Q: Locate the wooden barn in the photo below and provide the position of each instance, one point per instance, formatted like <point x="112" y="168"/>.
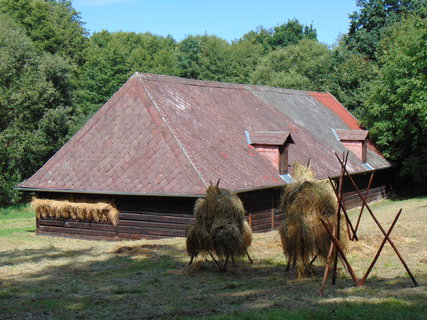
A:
<point x="157" y="144"/>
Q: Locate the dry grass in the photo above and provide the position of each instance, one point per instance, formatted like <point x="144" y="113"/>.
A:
<point x="55" y="278"/>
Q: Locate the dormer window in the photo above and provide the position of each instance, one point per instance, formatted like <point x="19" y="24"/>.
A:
<point x="274" y="146"/>
<point x="356" y="141"/>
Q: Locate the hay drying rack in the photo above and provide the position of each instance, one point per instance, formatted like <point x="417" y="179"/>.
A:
<point x="335" y="249"/>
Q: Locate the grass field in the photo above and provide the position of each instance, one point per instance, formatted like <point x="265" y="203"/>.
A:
<point x="56" y="278"/>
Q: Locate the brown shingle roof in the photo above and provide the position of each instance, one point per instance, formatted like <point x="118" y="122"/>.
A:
<point x="167" y="135"/>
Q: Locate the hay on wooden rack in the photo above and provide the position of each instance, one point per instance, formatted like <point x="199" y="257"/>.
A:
<point x="305" y="203"/>
<point x="220" y="226"/>
<point x="101" y="212"/>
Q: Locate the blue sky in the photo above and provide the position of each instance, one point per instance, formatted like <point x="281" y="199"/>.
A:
<point x="226" y="19"/>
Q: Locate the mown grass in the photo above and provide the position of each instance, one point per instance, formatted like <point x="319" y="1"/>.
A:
<point x="387" y="309"/>
<point x="56" y="278"/>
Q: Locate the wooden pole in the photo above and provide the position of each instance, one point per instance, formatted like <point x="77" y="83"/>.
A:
<point x="363" y="206"/>
<point x="338" y="219"/>
<point x="340" y="203"/>
<point x="331" y="246"/>
<point x="273" y="222"/>
<point x="341" y="252"/>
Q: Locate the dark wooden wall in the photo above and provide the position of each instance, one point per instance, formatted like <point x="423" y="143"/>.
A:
<point x="261" y="208"/>
<point x="157" y="217"/>
<point x="154" y="217"/>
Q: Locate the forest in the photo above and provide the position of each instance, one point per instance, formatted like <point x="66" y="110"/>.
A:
<point x="54" y="75"/>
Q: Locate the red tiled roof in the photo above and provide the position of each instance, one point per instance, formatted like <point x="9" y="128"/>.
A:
<point x="167" y="135"/>
<point x="329" y="101"/>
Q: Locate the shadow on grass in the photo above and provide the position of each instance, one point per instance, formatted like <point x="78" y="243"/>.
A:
<point x="14" y="257"/>
<point x="155" y="282"/>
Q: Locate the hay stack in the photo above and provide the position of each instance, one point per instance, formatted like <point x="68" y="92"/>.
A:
<point x="220" y="225"/>
<point x="102" y="212"/>
<point x="305" y="203"/>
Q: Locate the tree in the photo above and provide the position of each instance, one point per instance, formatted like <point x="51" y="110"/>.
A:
<point x="215" y="62"/>
<point x="366" y="25"/>
<point x="53" y="26"/>
<point x="245" y="56"/>
<point x="111" y="58"/>
<point x="34" y="117"/>
<point x="306" y="66"/>
<point x="352" y="73"/>
<point x="189" y="54"/>
<point x="395" y="110"/>
<point x="289" y="33"/>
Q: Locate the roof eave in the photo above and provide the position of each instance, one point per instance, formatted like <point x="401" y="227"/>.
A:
<point x="115" y="193"/>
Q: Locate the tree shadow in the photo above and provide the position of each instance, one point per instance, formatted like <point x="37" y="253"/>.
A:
<point x="13" y="257"/>
<point x="155" y="282"/>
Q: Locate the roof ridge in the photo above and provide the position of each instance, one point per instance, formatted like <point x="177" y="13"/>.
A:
<point x="224" y="85"/>
<point x="181" y="146"/>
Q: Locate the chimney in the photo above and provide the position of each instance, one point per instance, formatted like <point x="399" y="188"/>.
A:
<point x="355" y="141"/>
<point x="273" y="145"/>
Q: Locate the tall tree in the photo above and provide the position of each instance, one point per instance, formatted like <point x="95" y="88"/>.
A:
<point x="366" y="25"/>
<point x="211" y="58"/>
<point x="53" y="26"/>
<point x="395" y="109"/>
<point x="351" y="75"/>
<point x="189" y="55"/>
<point x="306" y="65"/>
<point x="280" y="36"/>
<point x="111" y="58"/>
<point x="34" y="117"/>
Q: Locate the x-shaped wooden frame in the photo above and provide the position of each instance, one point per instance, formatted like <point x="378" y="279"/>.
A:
<point x="334" y="233"/>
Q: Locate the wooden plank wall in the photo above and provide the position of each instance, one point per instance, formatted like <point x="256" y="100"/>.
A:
<point x="154" y="217"/>
<point x="75" y="229"/>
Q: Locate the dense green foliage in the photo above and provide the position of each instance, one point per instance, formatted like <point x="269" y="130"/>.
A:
<point x="53" y="75"/>
<point x="111" y="58"/>
<point x="367" y="24"/>
<point x="305" y="65"/>
<point x="53" y="26"/>
<point x="34" y="106"/>
<point x="396" y="107"/>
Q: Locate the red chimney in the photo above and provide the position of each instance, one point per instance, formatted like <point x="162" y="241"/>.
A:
<point x="356" y="141"/>
<point x="273" y="145"/>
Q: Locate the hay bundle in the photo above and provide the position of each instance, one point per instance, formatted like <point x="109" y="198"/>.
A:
<point x="305" y="203"/>
<point x="102" y="212"/>
<point x="220" y="225"/>
<point x="297" y="243"/>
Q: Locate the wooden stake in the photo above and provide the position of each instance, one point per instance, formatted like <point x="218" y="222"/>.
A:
<point x="363" y="206"/>
<point x="348" y="221"/>
<point x="331" y="246"/>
